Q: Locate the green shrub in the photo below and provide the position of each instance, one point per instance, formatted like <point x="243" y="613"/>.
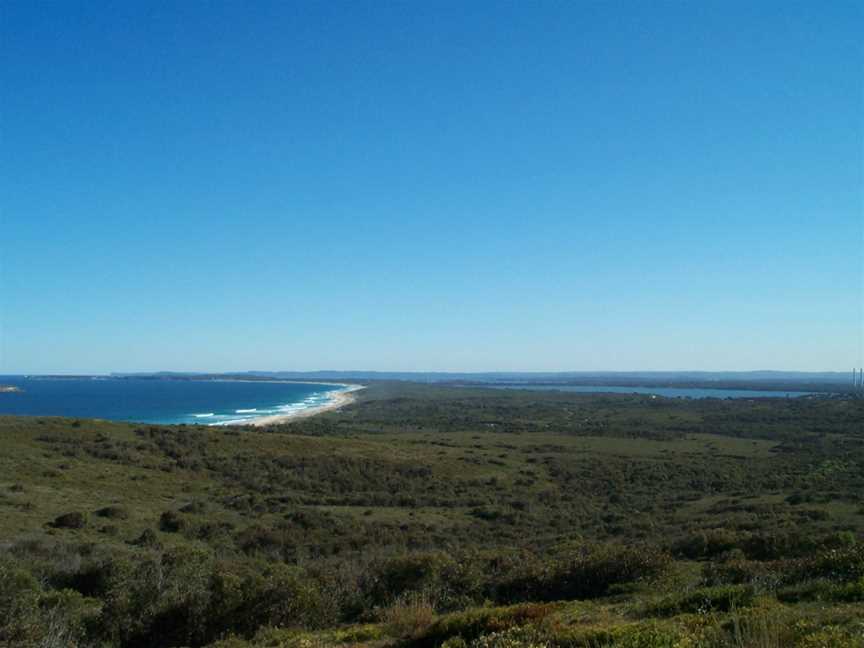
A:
<point x="171" y="522"/>
<point x="113" y="512"/>
<point x="282" y="596"/>
<point x="31" y="616"/>
<point x="409" y="616"/>
<point x="66" y="617"/>
<point x="148" y="538"/>
<point x="437" y="575"/>
<point x="844" y="564"/>
<point x="832" y="636"/>
<point x="706" y="544"/>
<point x="478" y="622"/>
<point x="195" y="506"/>
<point x="848" y="592"/>
<point x="647" y="634"/>
<point x="740" y="572"/>
<point x="230" y="642"/>
<point x="271" y="637"/>
<point x="73" y="520"/>
<point x="702" y="601"/>
<point x="584" y="573"/>
<point x="757" y="628"/>
<point x="19" y="603"/>
<point x="186" y="597"/>
<point x="518" y="637"/>
<point x="822" y="590"/>
<point x="841" y="565"/>
<point x="358" y="634"/>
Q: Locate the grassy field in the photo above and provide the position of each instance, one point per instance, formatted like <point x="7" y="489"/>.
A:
<point x="425" y="515"/>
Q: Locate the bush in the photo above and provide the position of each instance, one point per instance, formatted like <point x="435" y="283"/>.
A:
<point x="73" y="520"/>
<point x="19" y="604"/>
<point x="584" y="573"/>
<point x="740" y="572"/>
<point x="389" y="580"/>
<point x="849" y="592"/>
<point x="284" y="597"/>
<point x="840" y="565"/>
<point x="704" y="600"/>
<point x="31" y="616"/>
<point x="519" y="637"/>
<point x="148" y="538"/>
<point x="647" y="634"/>
<point x="409" y="616"/>
<point x="706" y="544"/>
<point x="171" y="522"/>
<point x="195" y="506"/>
<point x="358" y="634"/>
<point x="478" y="622"/>
<point x="823" y="590"/>
<point x="159" y="599"/>
<point x="113" y="512"/>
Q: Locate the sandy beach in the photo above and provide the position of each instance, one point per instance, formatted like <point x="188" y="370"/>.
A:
<point x="338" y="400"/>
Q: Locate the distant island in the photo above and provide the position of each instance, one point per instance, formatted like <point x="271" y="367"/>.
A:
<point x="9" y="388"/>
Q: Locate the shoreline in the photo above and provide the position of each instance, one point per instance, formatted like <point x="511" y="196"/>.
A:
<point x="338" y="400"/>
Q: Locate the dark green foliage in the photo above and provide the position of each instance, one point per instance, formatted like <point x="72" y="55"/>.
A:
<point x="585" y="572"/>
<point x="187" y="597"/>
<point x="822" y="590"/>
<point x="849" y="592"/>
<point x="709" y="599"/>
<point x="706" y="544"/>
<point x="739" y="571"/>
<point x="171" y="522"/>
<point x="420" y="572"/>
<point x="31" y="615"/>
<point x="196" y="506"/>
<point x="113" y="512"/>
<point x="19" y="601"/>
<point x="475" y="623"/>
<point x="445" y="499"/>
<point x="843" y="565"/>
<point x="284" y="597"/>
<point x="148" y="539"/>
<point x="74" y="520"/>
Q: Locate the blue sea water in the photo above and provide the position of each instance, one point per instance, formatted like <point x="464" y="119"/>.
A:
<point x="206" y="402"/>
<point x="668" y="392"/>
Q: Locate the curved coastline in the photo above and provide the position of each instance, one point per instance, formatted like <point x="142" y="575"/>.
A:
<point x="337" y="400"/>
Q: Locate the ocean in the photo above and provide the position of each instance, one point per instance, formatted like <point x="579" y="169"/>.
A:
<point x="205" y="402"/>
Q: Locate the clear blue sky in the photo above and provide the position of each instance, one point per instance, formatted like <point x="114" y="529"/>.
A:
<point x="431" y="185"/>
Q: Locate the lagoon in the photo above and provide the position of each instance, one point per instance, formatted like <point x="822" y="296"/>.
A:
<point x="667" y="392"/>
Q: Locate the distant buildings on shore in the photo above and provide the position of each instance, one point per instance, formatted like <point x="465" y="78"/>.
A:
<point x="858" y="381"/>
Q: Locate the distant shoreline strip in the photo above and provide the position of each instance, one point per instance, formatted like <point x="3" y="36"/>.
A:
<point x="336" y="399"/>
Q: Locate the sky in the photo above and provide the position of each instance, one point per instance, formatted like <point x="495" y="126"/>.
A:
<point x="431" y="186"/>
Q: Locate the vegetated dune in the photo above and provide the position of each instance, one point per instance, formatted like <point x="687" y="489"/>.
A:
<point x="429" y="515"/>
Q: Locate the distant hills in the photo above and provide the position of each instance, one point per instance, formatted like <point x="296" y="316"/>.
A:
<point x="765" y="379"/>
<point x="821" y="381"/>
<point x="565" y="376"/>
